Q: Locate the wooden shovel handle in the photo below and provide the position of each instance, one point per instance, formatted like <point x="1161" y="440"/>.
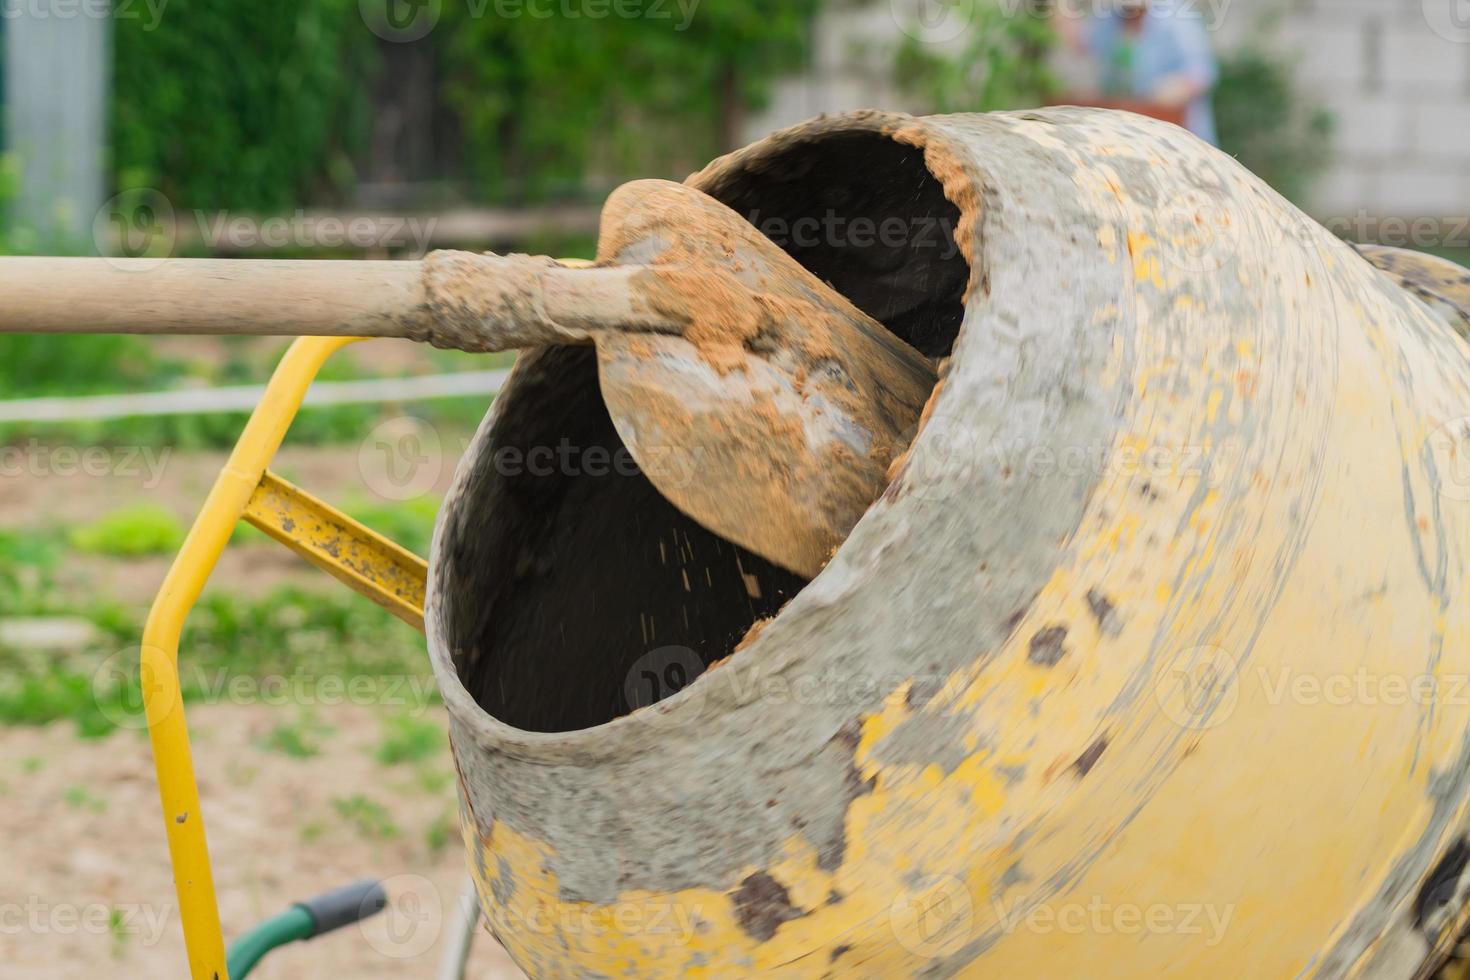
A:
<point x="326" y="298"/>
<point x="451" y="299"/>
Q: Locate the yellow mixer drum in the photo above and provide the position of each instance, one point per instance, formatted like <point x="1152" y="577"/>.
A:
<point x="1151" y="660"/>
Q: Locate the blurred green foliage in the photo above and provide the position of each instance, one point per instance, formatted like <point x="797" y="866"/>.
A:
<point x="409" y="739"/>
<point x="1268" y="123"/>
<point x="257" y="105"/>
<point x="545" y="100"/>
<point x="131" y="531"/>
<point x="1000" y="64"/>
<point x="47" y="364"/>
<point x="264" y="105"/>
<point x="318" y="425"/>
<point x="9" y="184"/>
<point x="303" y="646"/>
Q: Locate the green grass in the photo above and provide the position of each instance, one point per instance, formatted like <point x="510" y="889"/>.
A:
<point x="1459" y="256"/>
<point x="300" y="738"/>
<point x="35" y="365"/>
<point x="131" y="531"/>
<point x="366" y="816"/>
<point x="28" y="561"/>
<point x="291" y="647"/>
<point x="407" y="739"/>
<point x="81" y="798"/>
<point x="323" y="425"/>
<point x="439" y="834"/>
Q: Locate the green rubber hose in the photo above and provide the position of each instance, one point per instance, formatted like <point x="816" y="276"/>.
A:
<point x="292" y="925"/>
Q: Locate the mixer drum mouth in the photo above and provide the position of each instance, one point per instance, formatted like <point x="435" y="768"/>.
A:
<point x="575" y="593"/>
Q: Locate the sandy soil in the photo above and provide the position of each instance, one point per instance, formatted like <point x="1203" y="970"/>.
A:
<point x="84" y="843"/>
<point x="85" y="882"/>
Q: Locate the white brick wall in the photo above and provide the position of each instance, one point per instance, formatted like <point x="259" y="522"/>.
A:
<point x="1421" y="190"/>
<point x="1327" y="50"/>
<point x="1418" y="61"/>
<point x="1442" y="132"/>
<point x="1372" y="128"/>
<point x="1396" y="73"/>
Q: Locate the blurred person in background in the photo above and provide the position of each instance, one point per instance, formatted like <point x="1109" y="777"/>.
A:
<point x="1148" y="56"/>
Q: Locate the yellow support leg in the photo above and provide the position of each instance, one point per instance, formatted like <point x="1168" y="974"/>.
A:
<point x="163" y="700"/>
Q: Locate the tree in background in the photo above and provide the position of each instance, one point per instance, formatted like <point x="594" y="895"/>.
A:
<point x="547" y="100"/>
<point x="254" y="105"/>
<point x="998" y="62"/>
<point x="1266" y="122"/>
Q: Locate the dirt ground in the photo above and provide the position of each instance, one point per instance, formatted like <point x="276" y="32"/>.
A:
<point x="85" y="885"/>
<point x="85" y="882"/>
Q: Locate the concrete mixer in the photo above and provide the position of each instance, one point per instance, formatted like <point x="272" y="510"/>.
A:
<point x="1139" y="643"/>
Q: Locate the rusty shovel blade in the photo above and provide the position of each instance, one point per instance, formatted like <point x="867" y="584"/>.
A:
<point x="771" y="416"/>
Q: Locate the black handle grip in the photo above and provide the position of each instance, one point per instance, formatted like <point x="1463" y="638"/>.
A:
<point x="346" y="905"/>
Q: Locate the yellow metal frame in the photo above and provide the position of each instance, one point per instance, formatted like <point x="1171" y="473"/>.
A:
<point x="247" y="490"/>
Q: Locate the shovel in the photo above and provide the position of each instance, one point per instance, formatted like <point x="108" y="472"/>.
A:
<point x="715" y="349"/>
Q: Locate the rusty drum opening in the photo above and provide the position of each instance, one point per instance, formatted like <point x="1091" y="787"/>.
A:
<point x="567" y="590"/>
